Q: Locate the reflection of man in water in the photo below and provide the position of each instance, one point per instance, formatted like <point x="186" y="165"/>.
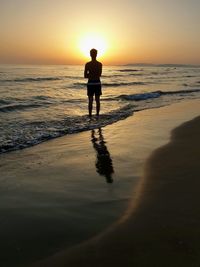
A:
<point x="93" y="70"/>
<point x="104" y="164"/>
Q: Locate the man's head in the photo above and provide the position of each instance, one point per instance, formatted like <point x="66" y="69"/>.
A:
<point x="93" y="53"/>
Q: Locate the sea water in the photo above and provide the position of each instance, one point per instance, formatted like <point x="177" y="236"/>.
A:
<point x="38" y="103"/>
<point x="47" y="207"/>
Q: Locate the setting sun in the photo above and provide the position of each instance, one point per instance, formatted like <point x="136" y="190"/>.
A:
<point x="89" y="41"/>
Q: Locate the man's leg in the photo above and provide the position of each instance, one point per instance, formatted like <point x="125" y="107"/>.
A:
<point x="97" y="99"/>
<point x="90" y="102"/>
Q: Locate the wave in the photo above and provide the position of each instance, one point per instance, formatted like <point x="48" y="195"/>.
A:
<point x="195" y="84"/>
<point x="136" y="74"/>
<point x="139" y="97"/>
<point x="129" y="70"/>
<point x="42" y="101"/>
<point x="122" y="75"/>
<point x="155" y="94"/>
<point x="41" y="79"/>
<point x="31" y="79"/>
<point x="189" y="76"/>
<point x="14" y="107"/>
<point x="122" y="84"/>
<point x="112" y="75"/>
<point x="4" y="102"/>
<point x="181" y="92"/>
<point x="111" y="84"/>
<point x="42" y="97"/>
<point x="34" y="133"/>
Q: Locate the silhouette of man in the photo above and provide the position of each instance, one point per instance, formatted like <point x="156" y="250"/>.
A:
<point x="93" y="70"/>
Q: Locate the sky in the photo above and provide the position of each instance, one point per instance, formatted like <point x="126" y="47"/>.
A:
<point x="53" y="31"/>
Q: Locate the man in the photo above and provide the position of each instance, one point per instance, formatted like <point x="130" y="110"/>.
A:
<point x="93" y="70"/>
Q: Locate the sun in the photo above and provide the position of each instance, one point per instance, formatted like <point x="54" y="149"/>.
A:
<point x="90" y="41"/>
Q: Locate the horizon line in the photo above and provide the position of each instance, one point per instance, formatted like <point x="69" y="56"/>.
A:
<point x="125" y="64"/>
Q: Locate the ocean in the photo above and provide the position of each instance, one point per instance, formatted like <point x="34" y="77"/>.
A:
<point x="38" y="103"/>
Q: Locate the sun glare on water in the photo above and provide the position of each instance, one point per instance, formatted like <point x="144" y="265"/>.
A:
<point x="90" y="41"/>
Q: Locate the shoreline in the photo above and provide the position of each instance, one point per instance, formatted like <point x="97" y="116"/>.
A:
<point x="156" y="230"/>
<point x="54" y="196"/>
<point x="163" y="230"/>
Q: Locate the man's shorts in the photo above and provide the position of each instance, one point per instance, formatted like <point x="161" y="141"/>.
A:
<point x="94" y="88"/>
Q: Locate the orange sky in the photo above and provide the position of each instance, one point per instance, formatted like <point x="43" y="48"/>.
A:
<point x="50" y="32"/>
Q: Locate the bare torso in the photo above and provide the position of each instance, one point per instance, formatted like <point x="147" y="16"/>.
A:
<point x="93" y="70"/>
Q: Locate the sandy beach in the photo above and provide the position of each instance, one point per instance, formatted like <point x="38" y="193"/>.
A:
<point x="60" y="207"/>
<point x="162" y="228"/>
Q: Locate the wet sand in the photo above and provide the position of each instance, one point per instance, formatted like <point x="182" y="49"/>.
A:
<point x="162" y="225"/>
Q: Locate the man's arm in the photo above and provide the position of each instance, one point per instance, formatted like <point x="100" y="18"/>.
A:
<point x="100" y="70"/>
<point x="86" y="71"/>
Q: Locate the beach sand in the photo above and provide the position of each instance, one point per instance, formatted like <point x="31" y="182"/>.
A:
<point x="54" y="199"/>
<point x="162" y="228"/>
